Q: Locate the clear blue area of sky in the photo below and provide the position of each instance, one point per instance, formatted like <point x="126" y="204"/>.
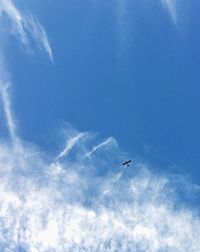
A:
<point x="129" y="74"/>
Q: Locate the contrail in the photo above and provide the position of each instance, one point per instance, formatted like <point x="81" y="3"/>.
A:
<point x="70" y="144"/>
<point x="95" y="148"/>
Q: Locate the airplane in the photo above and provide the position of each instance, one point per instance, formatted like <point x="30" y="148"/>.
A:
<point x="127" y="163"/>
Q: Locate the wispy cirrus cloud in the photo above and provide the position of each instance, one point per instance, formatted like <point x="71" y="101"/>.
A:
<point x="39" y="34"/>
<point x="16" y="18"/>
<point x="25" y="27"/>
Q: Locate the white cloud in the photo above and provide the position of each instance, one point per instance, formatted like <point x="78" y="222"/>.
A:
<point x="60" y="207"/>
<point x="41" y="213"/>
<point x="24" y="25"/>
<point x="16" y="18"/>
<point x="39" y="33"/>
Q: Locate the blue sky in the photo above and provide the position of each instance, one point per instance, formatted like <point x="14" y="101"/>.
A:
<point x="92" y="83"/>
<point x="125" y="70"/>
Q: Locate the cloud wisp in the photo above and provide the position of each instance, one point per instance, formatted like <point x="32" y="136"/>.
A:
<point x="25" y="27"/>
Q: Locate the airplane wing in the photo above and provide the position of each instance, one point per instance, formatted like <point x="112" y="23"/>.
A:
<point x="126" y="162"/>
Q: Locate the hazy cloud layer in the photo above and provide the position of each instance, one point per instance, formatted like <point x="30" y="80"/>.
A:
<point x="67" y="206"/>
<point x="90" y="204"/>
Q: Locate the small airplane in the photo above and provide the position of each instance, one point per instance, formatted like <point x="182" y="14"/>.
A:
<point x="127" y="163"/>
